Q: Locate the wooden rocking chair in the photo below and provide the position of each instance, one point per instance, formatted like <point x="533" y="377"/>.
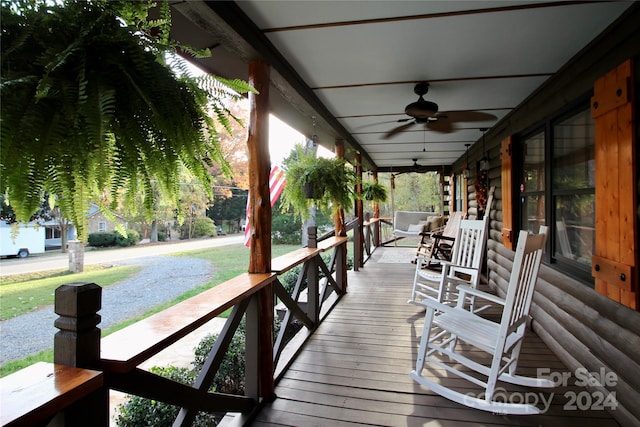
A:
<point x="438" y="244"/>
<point x="501" y="340"/>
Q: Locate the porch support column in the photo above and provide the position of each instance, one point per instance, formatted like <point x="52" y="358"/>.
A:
<point x="376" y="215"/>
<point x="259" y="168"/>
<point x="260" y="220"/>
<point x="338" y="218"/>
<point x="338" y="223"/>
<point x="359" y="210"/>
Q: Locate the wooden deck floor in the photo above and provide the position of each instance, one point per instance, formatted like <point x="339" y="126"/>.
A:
<point x="354" y="369"/>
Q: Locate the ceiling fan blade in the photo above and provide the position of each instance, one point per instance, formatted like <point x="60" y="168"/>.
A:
<point x="442" y="126"/>
<point x="397" y="130"/>
<point x="467" y="116"/>
<point x="368" y="125"/>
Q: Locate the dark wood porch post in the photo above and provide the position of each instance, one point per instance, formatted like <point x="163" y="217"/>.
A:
<point x="359" y="211"/>
<point x="260" y="221"/>
<point x="77" y="344"/>
<point x="376" y="214"/>
<point x="338" y="218"/>
<point x="338" y="222"/>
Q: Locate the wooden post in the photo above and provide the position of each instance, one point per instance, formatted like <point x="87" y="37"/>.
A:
<point x="312" y="232"/>
<point x="338" y="222"/>
<point x="338" y="218"/>
<point x="260" y="218"/>
<point x="259" y="169"/>
<point x="376" y="214"/>
<point x="77" y="344"/>
<point x="359" y="212"/>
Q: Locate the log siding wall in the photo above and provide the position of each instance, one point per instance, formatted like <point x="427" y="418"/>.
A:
<point x="585" y="329"/>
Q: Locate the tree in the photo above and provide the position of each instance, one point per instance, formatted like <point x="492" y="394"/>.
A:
<point x="98" y="109"/>
<point x="417" y="192"/>
<point x="231" y="208"/>
<point x="194" y="200"/>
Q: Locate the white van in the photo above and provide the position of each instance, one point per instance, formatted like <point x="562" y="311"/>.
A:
<point x="28" y="240"/>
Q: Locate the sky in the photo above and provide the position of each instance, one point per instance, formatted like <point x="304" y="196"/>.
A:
<point x="283" y="137"/>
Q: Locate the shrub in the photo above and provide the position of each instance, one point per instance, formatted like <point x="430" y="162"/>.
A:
<point x="133" y="237"/>
<point x="230" y="376"/>
<point x="200" y="227"/>
<point x="139" y="411"/>
<point x="101" y="240"/>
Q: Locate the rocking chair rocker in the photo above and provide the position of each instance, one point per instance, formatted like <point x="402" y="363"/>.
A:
<point x="501" y="340"/>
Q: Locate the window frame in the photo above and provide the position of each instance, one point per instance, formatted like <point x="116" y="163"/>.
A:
<point x="580" y="272"/>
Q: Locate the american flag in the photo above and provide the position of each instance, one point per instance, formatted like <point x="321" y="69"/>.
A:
<point x="277" y="181"/>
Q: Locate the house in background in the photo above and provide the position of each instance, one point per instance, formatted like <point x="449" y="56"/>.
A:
<point x="53" y="234"/>
<point x="99" y="223"/>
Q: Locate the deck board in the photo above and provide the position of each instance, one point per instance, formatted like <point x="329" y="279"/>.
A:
<point x="353" y="370"/>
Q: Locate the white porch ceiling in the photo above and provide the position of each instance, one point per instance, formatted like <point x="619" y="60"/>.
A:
<point x="361" y="60"/>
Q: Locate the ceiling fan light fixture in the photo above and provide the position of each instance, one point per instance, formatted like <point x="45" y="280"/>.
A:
<point x="421" y="109"/>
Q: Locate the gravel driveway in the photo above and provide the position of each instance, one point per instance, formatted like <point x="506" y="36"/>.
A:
<point x="162" y="279"/>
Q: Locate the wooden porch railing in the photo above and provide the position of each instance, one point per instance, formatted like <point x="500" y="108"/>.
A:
<point x="112" y="363"/>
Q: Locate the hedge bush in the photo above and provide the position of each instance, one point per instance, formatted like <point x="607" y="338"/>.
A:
<point x="230" y="377"/>
<point x="113" y="238"/>
<point x="139" y="411"/>
<point x="200" y="227"/>
<point x="133" y="237"/>
<point x="101" y="240"/>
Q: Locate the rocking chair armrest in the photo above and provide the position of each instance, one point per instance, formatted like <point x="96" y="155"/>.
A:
<point x="429" y="303"/>
<point x="464" y="289"/>
<point x="431" y="259"/>
<point x="448" y="266"/>
<point x="458" y="281"/>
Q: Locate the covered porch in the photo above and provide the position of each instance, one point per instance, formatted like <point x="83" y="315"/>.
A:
<point x="354" y="369"/>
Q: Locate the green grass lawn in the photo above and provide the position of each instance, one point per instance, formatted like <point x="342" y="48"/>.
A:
<point x="27" y="292"/>
<point x="31" y="291"/>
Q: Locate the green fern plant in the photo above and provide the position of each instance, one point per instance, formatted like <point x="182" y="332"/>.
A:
<point x="331" y="182"/>
<point x="374" y="191"/>
<point x="92" y="109"/>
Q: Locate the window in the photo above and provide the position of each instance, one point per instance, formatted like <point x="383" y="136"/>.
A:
<point x="52" y="233"/>
<point x="574" y="188"/>
<point x="557" y="188"/>
<point x="459" y="193"/>
<point x="532" y="185"/>
<point x="102" y="226"/>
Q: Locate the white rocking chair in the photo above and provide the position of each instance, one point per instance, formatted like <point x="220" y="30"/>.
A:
<point x="501" y="340"/>
<point x="463" y="269"/>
